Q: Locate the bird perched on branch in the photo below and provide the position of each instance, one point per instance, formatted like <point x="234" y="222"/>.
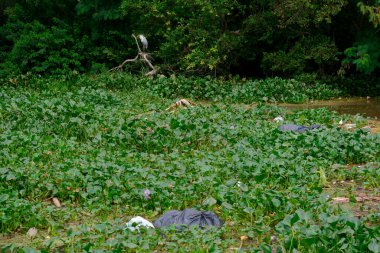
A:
<point x="144" y="41"/>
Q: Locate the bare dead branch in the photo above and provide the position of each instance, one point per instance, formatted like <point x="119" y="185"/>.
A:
<point x="120" y="67"/>
<point x="137" y="43"/>
<point x="151" y="73"/>
<point x="142" y="56"/>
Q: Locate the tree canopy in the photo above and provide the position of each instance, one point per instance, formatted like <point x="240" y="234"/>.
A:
<point x="253" y="38"/>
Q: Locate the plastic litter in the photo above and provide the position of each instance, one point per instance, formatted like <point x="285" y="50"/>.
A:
<point x="296" y="128"/>
<point x="136" y="222"/>
<point x="366" y="128"/>
<point x="188" y="217"/>
<point x="347" y="126"/>
<point x="56" y="202"/>
<point x="278" y="119"/>
<point x="32" y="232"/>
<point x="350" y="126"/>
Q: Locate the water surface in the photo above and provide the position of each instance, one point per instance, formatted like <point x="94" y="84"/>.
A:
<point x="369" y="107"/>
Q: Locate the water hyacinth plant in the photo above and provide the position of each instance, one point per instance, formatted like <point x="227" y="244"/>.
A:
<point x="108" y="150"/>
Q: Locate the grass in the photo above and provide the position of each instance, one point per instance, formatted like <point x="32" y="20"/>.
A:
<point x="97" y="143"/>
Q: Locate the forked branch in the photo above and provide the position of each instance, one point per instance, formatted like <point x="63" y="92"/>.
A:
<point x="142" y="56"/>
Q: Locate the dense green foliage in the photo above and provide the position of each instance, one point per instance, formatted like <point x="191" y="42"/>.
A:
<point x="365" y="52"/>
<point x="210" y="89"/>
<point x="97" y="143"/>
<point x="252" y="38"/>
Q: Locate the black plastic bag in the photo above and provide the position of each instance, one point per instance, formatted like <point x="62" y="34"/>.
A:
<point x="296" y="128"/>
<point x="188" y="217"/>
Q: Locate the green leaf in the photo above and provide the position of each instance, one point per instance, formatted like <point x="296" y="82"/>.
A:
<point x="130" y="245"/>
<point x="243" y="187"/>
<point x="374" y="246"/>
<point x="30" y="250"/>
<point x="209" y="201"/>
<point x="4" y="197"/>
<point x="227" y="206"/>
<point x="276" y="202"/>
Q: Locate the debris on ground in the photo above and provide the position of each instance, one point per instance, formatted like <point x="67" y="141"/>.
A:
<point x="188" y="217"/>
<point x="297" y="128"/>
<point x="354" y="195"/>
<point x="349" y="126"/>
<point x="181" y="103"/>
<point x="32" y="232"/>
<point x="278" y="119"/>
<point x="136" y="222"/>
<point x="367" y="128"/>
<point x="56" y="202"/>
<point x="340" y="200"/>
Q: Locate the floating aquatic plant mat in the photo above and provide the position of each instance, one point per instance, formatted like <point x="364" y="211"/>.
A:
<point x="77" y="163"/>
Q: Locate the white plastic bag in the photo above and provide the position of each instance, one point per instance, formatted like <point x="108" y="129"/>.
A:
<point x="137" y="222"/>
<point x="278" y="119"/>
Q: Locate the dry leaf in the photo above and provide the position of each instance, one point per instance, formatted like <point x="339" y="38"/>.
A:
<point x="243" y="237"/>
<point x="341" y="200"/>
<point x="32" y="232"/>
<point x="57" y="203"/>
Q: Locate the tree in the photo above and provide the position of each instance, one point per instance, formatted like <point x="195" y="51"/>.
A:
<point x="365" y="51"/>
<point x="192" y="36"/>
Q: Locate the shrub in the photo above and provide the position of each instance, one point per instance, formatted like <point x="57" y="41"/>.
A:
<point x="43" y="50"/>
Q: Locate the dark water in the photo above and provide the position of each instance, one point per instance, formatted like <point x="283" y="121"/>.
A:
<point x="366" y="107"/>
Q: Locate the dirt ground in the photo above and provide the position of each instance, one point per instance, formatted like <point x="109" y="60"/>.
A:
<point x="354" y="196"/>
